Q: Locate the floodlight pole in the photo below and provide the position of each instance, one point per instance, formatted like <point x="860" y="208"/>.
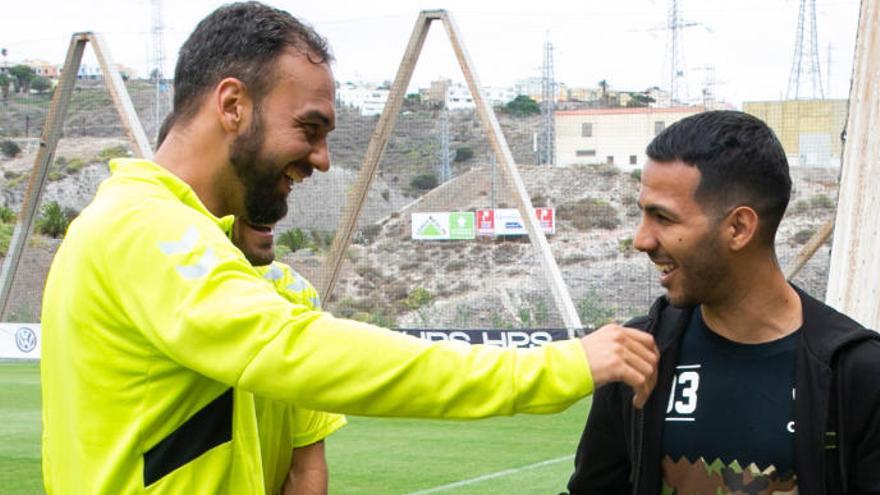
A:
<point x="49" y="141"/>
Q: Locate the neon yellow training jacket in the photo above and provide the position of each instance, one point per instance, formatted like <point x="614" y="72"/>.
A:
<point x="283" y="426"/>
<point x="158" y="334"/>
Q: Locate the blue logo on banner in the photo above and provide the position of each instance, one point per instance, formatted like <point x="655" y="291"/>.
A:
<point x="25" y="339"/>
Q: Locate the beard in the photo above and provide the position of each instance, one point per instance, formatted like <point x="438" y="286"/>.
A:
<point x="264" y="203"/>
<point x="703" y="273"/>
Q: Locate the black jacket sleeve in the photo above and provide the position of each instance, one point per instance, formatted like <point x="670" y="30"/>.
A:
<point x="862" y="412"/>
<point x="602" y="462"/>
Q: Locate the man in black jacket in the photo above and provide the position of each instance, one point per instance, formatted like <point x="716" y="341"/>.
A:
<point x="761" y="388"/>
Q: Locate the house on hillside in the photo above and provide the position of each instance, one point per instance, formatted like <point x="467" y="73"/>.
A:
<point x="43" y="68"/>
<point x="615" y="136"/>
<point x="367" y="98"/>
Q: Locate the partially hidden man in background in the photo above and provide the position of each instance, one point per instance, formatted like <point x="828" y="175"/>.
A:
<point x="761" y="388"/>
<point x="291" y="437"/>
<point x="160" y="337"/>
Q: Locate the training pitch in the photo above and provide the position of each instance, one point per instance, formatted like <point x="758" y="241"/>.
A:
<point x="524" y="454"/>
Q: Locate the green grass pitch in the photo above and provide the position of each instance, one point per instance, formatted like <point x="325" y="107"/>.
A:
<point x="369" y="456"/>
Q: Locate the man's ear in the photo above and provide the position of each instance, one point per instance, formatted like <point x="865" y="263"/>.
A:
<point x="740" y="227"/>
<point x="233" y="105"/>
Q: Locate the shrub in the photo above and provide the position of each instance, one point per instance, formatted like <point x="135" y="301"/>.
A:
<point x="592" y="312"/>
<point x="293" y="239"/>
<point x="463" y="154"/>
<point x="417" y="298"/>
<point x="539" y="200"/>
<point x="424" y="182"/>
<point x="456" y="265"/>
<point x="522" y="106"/>
<point x="803" y="236"/>
<point x="822" y="201"/>
<point x="321" y="240"/>
<point x="625" y="245"/>
<point x="381" y="318"/>
<point x="589" y="213"/>
<point x="800" y="206"/>
<point x="5" y="237"/>
<point x="107" y="154"/>
<point x="75" y="165"/>
<point x="10" y="149"/>
<point x="53" y="220"/>
<point x="281" y="251"/>
<point x="6" y="215"/>
<point x="636" y="175"/>
<point x="525" y="316"/>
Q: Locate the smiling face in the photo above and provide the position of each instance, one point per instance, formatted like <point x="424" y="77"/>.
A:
<point x="256" y="242"/>
<point x="287" y="139"/>
<point x="679" y="235"/>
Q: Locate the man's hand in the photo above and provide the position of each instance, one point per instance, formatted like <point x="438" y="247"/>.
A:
<point x="617" y="353"/>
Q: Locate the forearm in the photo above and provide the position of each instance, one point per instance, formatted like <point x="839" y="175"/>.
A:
<point x="342" y="366"/>
<point x="308" y="473"/>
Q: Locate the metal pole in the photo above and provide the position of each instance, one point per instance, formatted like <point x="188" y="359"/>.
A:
<point x="45" y="156"/>
<point x="559" y="290"/>
<point x="358" y="194"/>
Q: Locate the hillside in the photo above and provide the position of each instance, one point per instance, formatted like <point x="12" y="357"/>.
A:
<point x="390" y="279"/>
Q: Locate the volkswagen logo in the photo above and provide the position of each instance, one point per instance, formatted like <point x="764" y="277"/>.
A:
<point x="25" y="339"/>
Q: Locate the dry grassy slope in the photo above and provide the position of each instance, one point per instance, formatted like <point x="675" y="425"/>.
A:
<point x="487" y="283"/>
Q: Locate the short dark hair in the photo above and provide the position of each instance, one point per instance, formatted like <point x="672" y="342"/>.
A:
<point x="740" y="159"/>
<point x="239" y="40"/>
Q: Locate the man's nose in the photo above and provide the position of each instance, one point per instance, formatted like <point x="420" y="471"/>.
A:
<point x="320" y="156"/>
<point x="644" y="239"/>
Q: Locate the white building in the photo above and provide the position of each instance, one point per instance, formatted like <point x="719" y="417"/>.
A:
<point x="499" y="96"/>
<point x="367" y="98"/>
<point x="458" y="97"/>
<point x="616" y="136"/>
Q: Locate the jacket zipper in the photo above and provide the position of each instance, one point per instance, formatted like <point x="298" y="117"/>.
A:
<point x="640" y="444"/>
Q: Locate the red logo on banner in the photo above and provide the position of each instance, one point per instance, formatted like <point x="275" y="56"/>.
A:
<point x="546" y="218"/>
<point x="485" y="222"/>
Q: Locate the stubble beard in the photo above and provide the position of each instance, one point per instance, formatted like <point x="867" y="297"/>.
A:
<point x="704" y="273"/>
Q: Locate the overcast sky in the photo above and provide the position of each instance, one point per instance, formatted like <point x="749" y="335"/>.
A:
<point x="749" y="43"/>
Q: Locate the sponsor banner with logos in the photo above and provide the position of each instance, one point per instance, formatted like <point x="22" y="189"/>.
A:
<point x="499" y="338"/>
<point x="443" y="226"/>
<point x="508" y="221"/>
<point x="19" y="341"/>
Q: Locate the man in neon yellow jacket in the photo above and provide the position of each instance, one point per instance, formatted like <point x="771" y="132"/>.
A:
<point x="291" y="438"/>
<point x="158" y="333"/>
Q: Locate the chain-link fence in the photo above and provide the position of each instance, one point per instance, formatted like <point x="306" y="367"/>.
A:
<point x="413" y="263"/>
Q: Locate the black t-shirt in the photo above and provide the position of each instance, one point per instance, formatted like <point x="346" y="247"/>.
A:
<point x="729" y="419"/>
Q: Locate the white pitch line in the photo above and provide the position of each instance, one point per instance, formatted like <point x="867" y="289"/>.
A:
<point x="490" y="476"/>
